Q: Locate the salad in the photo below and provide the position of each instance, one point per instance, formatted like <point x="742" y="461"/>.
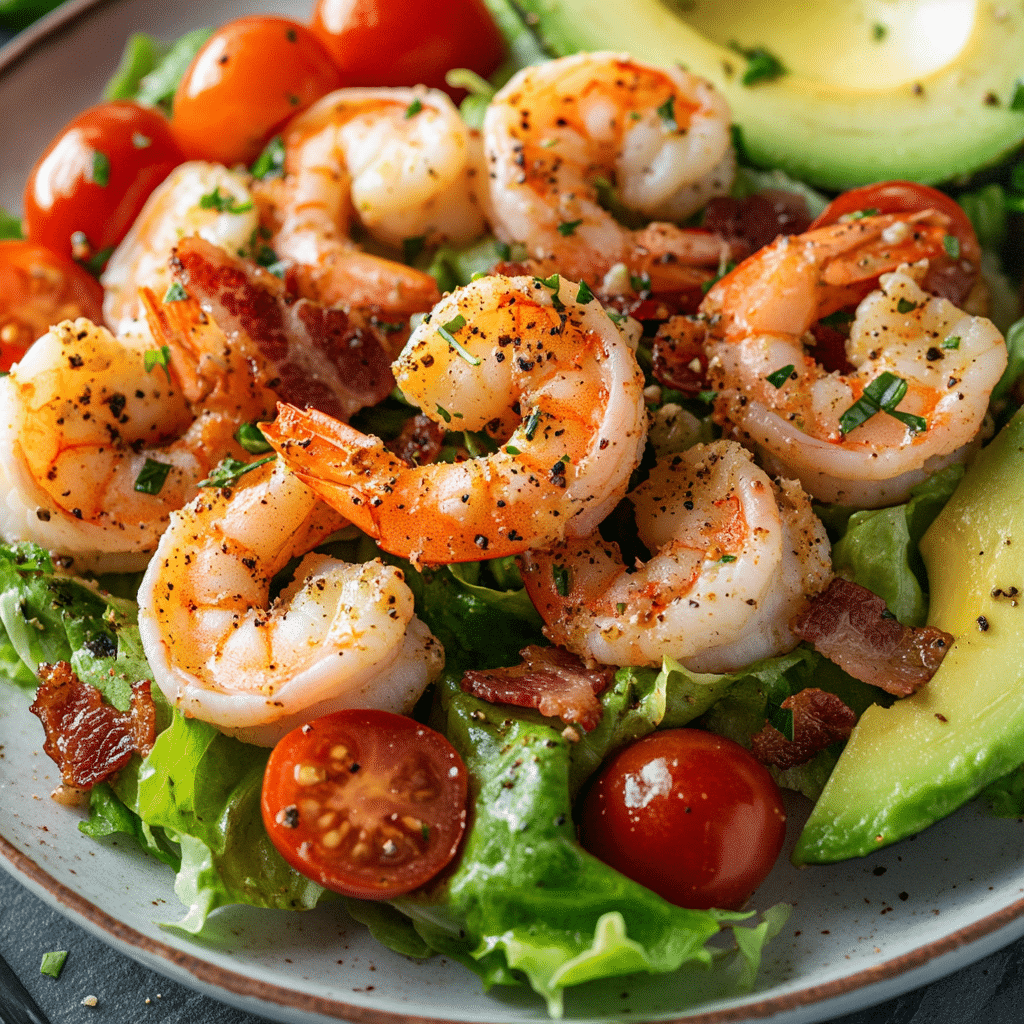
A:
<point x="521" y="833"/>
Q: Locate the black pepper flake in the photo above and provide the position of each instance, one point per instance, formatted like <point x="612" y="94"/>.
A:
<point x="982" y="623"/>
<point x="481" y="541"/>
<point x="289" y="816"/>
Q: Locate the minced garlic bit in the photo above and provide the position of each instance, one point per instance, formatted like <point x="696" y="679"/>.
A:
<point x="90" y="1001"/>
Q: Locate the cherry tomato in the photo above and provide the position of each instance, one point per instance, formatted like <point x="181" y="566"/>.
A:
<point x="407" y="42"/>
<point x="951" y="273"/>
<point x="366" y="803"/>
<point x="88" y="187"/>
<point x="249" y="78"/>
<point x="39" y="288"/>
<point x="689" y="814"/>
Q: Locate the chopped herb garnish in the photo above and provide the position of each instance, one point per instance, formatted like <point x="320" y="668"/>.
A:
<point x="158" y="357"/>
<point x="781" y="718"/>
<point x="707" y="396"/>
<point x="176" y="293"/>
<point x="727" y="558"/>
<point x="97" y="261"/>
<point x="952" y="246"/>
<point x="251" y="438"/>
<point x="762" y="64"/>
<point x="100" y="168"/>
<point x="554" y="282"/>
<point x="53" y="963"/>
<point x="412" y="247"/>
<point x="879" y="31"/>
<point x="584" y="294"/>
<point x="270" y="163"/>
<point x="531" y="424"/>
<point x="445" y="330"/>
<point x="413" y="109"/>
<point x="152" y="476"/>
<point x="560" y="574"/>
<point x="512" y="449"/>
<point x="228" y="470"/>
<point x="444" y="414"/>
<point x="222" y="204"/>
<point x="780" y="376"/>
<point x="640" y="283"/>
<point x="620" y="607"/>
<point x="667" y="113"/>
<point x="568" y="227"/>
<point x="905" y="306"/>
<point x="1017" y="99"/>
<point x="840" y="318"/>
<point x="952" y="342"/>
<point x="883" y="394"/>
<point x="616" y="318"/>
<point x="870" y="211"/>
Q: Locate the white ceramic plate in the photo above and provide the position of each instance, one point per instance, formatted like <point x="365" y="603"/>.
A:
<point x="860" y="932"/>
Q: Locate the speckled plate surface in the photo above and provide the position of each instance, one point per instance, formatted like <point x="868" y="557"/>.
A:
<point x="860" y="932"/>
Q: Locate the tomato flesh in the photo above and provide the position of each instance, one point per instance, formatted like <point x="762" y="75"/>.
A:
<point x="400" y="42"/>
<point x="951" y="274"/>
<point x="365" y="802"/>
<point x="250" y="77"/>
<point x="89" y="186"/>
<point x="38" y="288"/>
<point x="689" y="814"/>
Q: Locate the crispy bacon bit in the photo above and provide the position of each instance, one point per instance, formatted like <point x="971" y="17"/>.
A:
<point x="819" y="719"/>
<point x="419" y="442"/>
<point x="757" y="220"/>
<point x="549" y="679"/>
<point x="679" y="360"/>
<point x="323" y="358"/>
<point x="847" y="623"/>
<point x="87" y="738"/>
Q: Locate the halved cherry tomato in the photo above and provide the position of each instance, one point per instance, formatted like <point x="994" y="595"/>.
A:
<point x="249" y="78"/>
<point x="94" y="178"/>
<point x="689" y="814"/>
<point x="407" y="42"/>
<point x="39" y="288"/>
<point x="951" y="273"/>
<point x="366" y="803"/>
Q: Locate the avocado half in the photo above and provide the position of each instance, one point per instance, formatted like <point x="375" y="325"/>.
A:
<point x="868" y="96"/>
<point x="908" y="765"/>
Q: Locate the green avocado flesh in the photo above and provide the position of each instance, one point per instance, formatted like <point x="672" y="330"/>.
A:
<point x="909" y="765"/>
<point x="868" y="96"/>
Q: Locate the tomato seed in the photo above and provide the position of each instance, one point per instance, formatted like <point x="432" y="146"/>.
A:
<point x="325" y="821"/>
<point x="412" y="824"/>
<point x="360" y="851"/>
<point x="339" y="752"/>
<point x="309" y="774"/>
<point x="332" y="840"/>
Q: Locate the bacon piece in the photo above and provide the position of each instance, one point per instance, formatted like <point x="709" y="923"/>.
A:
<point x="756" y="221"/>
<point x="679" y="359"/>
<point x="419" y="442"/>
<point x="847" y="623"/>
<point x="819" y="719"/>
<point x="549" y="679"/>
<point x="331" y="359"/>
<point x="87" y="738"/>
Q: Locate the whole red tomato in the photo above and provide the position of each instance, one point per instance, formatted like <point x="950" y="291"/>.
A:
<point x="689" y="814"/>
<point x="39" y="288"/>
<point x="398" y="42"/>
<point x="95" y="177"/>
<point x="249" y="78"/>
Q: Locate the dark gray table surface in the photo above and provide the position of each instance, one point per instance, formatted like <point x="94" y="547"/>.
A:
<point x="990" y="991"/>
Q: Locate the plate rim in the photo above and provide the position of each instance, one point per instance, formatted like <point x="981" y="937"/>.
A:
<point x="165" y="958"/>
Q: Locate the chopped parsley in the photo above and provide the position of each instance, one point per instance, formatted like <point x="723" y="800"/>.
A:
<point x="560" y="574"/>
<point x="53" y="963"/>
<point x="1017" y="99"/>
<point x="270" y="163"/>
<point x="447" y="332"/>
<point x="221" y="203"/>
<point x="530" y="427"/>
<point x="762" y="64"/>
<point x="568" y="227"/>
<point x="879" y="31"/>
<point x="554" y="282"/>
<point x="584" y="294"/>
<point x="905" y="306"/>
<point x="952" y="342"/>
<point x="176" y="293"/>
<point x="779" y="377"/>
<point x="100" y="168"/>
<point x="667" y="113"/>
<point x="883" y="394"/>
<point x="158" y="357"/>
<point x="444" y="414"/>
<point x="228" y="470"/>
<point x="251" y="438"/>
<point x="152" y="476"/>
<point x="413" y="109"/>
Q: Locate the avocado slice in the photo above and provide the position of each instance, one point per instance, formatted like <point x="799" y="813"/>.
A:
<point x="906" y="766"/>
<point x="926" y="97"/>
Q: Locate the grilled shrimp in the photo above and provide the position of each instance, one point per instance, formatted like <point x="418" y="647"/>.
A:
<point x="338" y="636"/>
<point x="543" y="373"/>
<point x="100" y="441"/>
<point x="196" y="198"/>
<point x="733" y="559"/>
<point x="402" y="164"/>
<point x="921" y="370"/>
<point x="660" y="136"/>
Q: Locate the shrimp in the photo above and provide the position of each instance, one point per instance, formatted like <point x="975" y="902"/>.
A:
<point x="545" y="375"/>
<point x="196" y="198"/>
<point x="734" y="559"/>
<point x="402" y="163"/>
<point x="99" y="445"/>
<point x="661" y="136"/>
<point x="820" y="426"/>
<point x="338" y="636"/>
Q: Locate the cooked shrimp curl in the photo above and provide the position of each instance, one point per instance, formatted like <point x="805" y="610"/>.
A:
<point x="399" y="162"/>
<point x="821" y="426"/>
<point x="660" y="136"/>
<point x="338" y="636"/>
<point x="98" y="446"/>
<point x="733" y="559"/>
<point x="548" y="377"/>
